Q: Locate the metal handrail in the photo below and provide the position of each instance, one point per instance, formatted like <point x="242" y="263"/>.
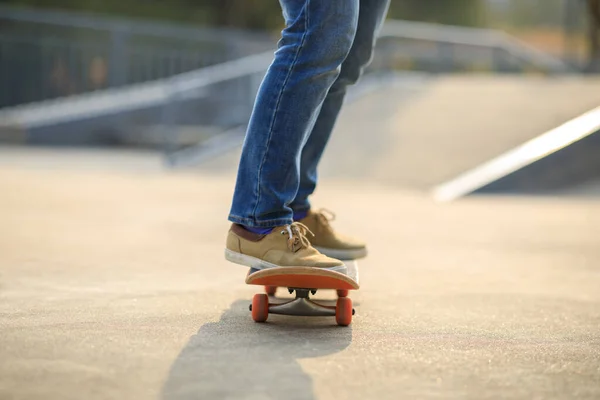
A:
<point x="163" y="91"/>
<point x="467" y="36"/>
<point x="103" y="23"/>
<point x="392" y="29"/>
<point x="132" y="97"/>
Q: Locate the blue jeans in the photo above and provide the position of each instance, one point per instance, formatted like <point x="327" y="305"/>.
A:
<point x="324" y="48"/>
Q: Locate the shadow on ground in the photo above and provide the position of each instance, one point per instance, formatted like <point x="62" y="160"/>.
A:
<point x="236" y="358"/>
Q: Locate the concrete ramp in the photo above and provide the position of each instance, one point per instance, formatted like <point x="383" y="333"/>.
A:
<point x="419" y="135"/>
<point x="423" y="138"/>
<point x="560" y="160"/>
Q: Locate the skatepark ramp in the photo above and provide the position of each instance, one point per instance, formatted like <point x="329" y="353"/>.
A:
<point x="566" y="158"/>
<point x="421" y="135"/>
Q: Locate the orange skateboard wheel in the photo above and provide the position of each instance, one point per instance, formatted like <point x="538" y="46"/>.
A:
<point x="260" y="307"/>
<point x="343" y="311"/>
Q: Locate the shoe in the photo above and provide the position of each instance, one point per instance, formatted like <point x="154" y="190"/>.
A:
<point x="285" y="246"/>
<point x="330" y="242"/>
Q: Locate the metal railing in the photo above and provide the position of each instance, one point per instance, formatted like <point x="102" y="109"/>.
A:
<point x="190" y="108"/>
<point x="49" y="54"/>
<point x="443" y="48"/>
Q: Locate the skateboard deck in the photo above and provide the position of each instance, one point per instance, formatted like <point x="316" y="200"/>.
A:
<point x="303" y="281"/>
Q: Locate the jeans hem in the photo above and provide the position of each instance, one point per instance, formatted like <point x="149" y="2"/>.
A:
<point x="269" y="223"/>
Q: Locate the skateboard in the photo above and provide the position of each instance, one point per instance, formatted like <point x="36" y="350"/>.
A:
<point x="303" y="281"/>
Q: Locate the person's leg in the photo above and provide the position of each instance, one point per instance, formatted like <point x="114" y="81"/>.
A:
<point x="314" y="44"/>
<point x="316" y="41"/>
<point x="371" y="17"/>
<point x="326" y="239"/>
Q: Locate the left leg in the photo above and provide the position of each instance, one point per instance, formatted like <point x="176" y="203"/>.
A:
<point x="372" y="14"/>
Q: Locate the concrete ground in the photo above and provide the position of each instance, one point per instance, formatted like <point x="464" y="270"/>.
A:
<point x="113" y="285"/>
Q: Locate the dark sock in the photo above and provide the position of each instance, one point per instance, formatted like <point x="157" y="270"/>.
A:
<point x="298" y="215"/>
<point x="258" y="230"/>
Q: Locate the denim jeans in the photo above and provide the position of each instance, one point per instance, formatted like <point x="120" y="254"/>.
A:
<point x="324" y="48"/>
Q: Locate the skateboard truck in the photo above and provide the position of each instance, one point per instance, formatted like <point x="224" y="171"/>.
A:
<point x="304" y="281"/>
<point x="291" y="290"/>
<point x="303" y="306"/>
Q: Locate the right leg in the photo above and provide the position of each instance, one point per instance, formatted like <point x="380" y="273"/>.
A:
<point x="314" y="44"/>
<point x="316" y="41"/>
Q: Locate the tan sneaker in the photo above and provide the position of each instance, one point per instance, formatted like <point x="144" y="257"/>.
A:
<point x="330" y="242"/>
<point x="285" y="246"/>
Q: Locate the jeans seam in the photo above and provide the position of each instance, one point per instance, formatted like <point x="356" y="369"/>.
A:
<point x="275" y="112"/>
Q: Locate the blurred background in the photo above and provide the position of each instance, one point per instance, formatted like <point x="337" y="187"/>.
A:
<point x="179" y="78"/>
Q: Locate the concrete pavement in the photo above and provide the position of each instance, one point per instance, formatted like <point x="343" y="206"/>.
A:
<point x="114" y="286"/>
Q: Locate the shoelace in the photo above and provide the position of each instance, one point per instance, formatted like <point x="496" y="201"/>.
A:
<point x="297" y="236"/>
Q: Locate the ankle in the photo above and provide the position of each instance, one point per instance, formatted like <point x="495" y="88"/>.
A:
<point x="298" y="215"/>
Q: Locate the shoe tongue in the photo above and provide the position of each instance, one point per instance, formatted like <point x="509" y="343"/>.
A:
<point x="322" y="222"/>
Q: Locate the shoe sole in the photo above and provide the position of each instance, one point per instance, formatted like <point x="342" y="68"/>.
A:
<point x="343" y="255"/>
<point x="257" y="263"/>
